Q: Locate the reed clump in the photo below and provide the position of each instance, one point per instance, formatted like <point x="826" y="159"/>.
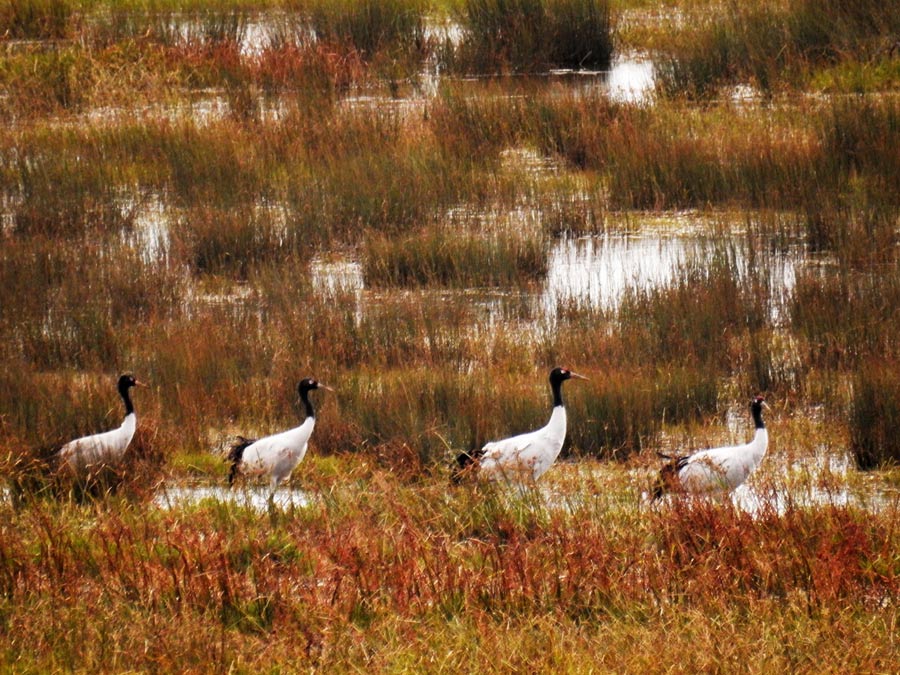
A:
<point x="625" y="411"/>
<point x="846" y="318"/>
<point x="769" y="46"/>
<point x="533" y="35"/>
<point x="692" y="320"/>
<point x="874" y="415"/>
<point x="370" y="27"/>
<point x="37" y="19"/>
<point x="440" y="257"/>
<point x="70" y="305"/>
<point x="232" y="242"/>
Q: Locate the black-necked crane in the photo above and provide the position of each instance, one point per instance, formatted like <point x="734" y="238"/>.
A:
<point x="717" y="469"/>
<point x="277" y="455"/>
<point x="107" y="447"/>
<point x="525" y="457"/>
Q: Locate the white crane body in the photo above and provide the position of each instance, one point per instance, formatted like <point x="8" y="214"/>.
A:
<point x="717" y="469"/>
<point x="524" y="457"/>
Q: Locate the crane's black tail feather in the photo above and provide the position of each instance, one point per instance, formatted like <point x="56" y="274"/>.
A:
<point x="466" y="464"/>
<point x="236" y="454"/>
<point x="668" y="475"/>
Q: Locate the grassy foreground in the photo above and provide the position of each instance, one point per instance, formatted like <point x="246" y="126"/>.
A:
<point x="386" y="576"/>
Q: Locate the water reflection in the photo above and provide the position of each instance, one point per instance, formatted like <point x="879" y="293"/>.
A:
<point x="757" y="502"/>
<point x="336" y="275"/>
<point x="631" y="80"/>
<point x="254" y="497"/>
<point x="149" y="232"/>
<point x="597" y="270"/>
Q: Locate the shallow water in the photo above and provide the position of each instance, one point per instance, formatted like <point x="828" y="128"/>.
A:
<point x="826" y="479"/>
<point x="179" y="495"/>
<point x="823" y="480"/>
<point x="630" y="79"/>
<point x="756" y="503"/>
<point x="597" y="270"/>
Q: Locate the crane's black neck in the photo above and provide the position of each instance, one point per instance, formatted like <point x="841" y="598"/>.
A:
<point x="757" y="415"/>
<point x="124" y="392"/>
<point x="304" y="396"/>
<point x="556" y="386"/>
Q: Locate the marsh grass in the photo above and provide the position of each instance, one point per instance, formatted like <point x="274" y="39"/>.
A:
<point x="626" y="410"/>
<point x="845" y="318"/>
<point x="770" y="46"/>
<point x="667" y="156"/>
<point x="72" y="305"/>
<point x="533" y="35"/>
<point x="354" y="178"/>
<point x="370" y="27"/>
<point x="440" y="257"/>
<point x="43" y="82"/>
<point x="689" y="321"/>
<point x="233" y="242"/>
<point x="874" y="414"/>
<point x="411" y="568"/>
<point x="384" y="567"/>
<point x="36" y="19"/>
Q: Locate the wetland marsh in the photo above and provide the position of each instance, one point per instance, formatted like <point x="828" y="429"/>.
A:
<point x="427" y="206"/>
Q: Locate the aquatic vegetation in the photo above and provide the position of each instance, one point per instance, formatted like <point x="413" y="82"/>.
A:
<point x="530" y="35"/>
<point x="448" y="258"/>
<point x="770" y="45"/>
<point x="874" y="414"/>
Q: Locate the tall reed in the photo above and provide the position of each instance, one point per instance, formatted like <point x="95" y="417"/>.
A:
<point x="692" y="320"/>
<point x="530" y="35"/>
<point x="846" y="317"/>
<point x="369" y="27"/>
<point x="37" y="19"/>
<point x="875" y="414"/>
<point x="456" y="259"/>
<point x="768" y="45"/>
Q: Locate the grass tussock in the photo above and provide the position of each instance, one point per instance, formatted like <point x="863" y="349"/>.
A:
<point x="234" y="242"/>
<point x="768" y="45"/>
<point x="845" y="319"/>
<point x="533" y="35"/>
<point x="37" y="19"/>
<point x="446" y="258"/>
<point x="874" y="414"/>
<point x="689" y="321"/>
<point x="369" y="27"/>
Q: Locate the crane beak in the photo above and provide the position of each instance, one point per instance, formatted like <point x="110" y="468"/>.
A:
<point x="577" y="376"/>
<point x="325" y="386"/>
<point x="138" y="383"/>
